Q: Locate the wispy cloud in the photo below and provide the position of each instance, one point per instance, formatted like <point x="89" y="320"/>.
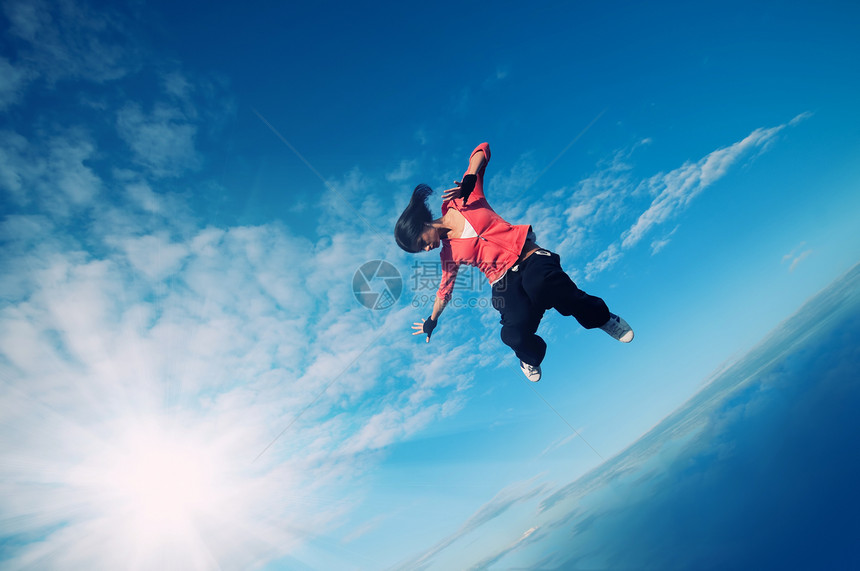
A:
<point x="495" y="508"/>
<point x="13" y="80"/>
<point x="674" y="191"/>
<point x="404" y="171"/>
<point x="605" y="260"/>
<point x="70" y="40"/>
<point x="578" y="220"/>
<point x="502" y="72"/>
<point x="797" y="255"/>
<point x="571" y="220"/>
<point x="162" y="140"/>
<point x="660" y="243"/>
<point x="531" y="535"/>
<point x="50" y="173"/>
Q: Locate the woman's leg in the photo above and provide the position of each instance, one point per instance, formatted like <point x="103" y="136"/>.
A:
<point x="520" y="319"/>
<point x="547" y="285"/>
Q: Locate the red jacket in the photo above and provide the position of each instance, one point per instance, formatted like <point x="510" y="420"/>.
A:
<point x="497" y="246"/>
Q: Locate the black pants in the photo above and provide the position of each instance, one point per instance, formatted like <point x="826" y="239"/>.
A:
<point x="528" y="290"/>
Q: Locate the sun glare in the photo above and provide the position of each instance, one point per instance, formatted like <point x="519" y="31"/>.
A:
<point x="159" y="484"/>
<point x="163" y="482"/>
<point x="170" y="493"/>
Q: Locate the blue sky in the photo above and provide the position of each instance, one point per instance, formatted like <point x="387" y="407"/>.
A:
<point x="187" y="192"/>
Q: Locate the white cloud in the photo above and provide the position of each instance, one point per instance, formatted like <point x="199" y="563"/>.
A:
<point x="77" y="181"/>
<point x="52" y="173"/>
<point x="658" y="245"/>
<point x="69" y="40"/>
<point x="797" y="255"/>
<point x="531" y="535"/>
<point x="403" y="172"/>
<point x="570" y="220"/>
<point x="506" y="499"/>
<point x="141" y="193"/>
<point x="598" y="199"/>
<point x="800" y="257"/>
<point x="560" y="442"/>
<point x="14" y="169"/>
<point x="389" y="426"/>
<point x="155" y="255"/>
<point x="676" y="189"/>
<point x="604" y="260"/>
<point x="177" y="85"/>
<point x="673" y="192"/>
<point x="502" y="72"/>
<point x="801" y="117"/>
<point x="162" y="141"/>
<point x="12" y="83"/>
<point x="578" y="221"/>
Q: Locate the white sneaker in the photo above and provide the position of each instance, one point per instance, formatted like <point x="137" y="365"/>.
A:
<point x="618" y="328"/>
<point x="532" y="373"/>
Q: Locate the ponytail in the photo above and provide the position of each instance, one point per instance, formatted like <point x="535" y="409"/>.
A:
<point x="410" y="225"/>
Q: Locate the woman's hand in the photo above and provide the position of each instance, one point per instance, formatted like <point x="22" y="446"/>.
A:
<point x="452" y="193"/>
<point x="426" y="326"/>
<point x="463" y="190"/>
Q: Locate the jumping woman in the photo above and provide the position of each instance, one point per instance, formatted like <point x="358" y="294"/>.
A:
<point x="526" y="279"/>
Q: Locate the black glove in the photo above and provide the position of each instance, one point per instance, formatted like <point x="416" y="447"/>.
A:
<point x="467" y="186"/>
<point x="430" y="325"/>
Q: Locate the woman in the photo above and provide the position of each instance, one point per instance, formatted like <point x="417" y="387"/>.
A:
<point x="526" y="279"/>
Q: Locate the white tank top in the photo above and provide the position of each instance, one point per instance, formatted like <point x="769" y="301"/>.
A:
<point x="468" y="231"/>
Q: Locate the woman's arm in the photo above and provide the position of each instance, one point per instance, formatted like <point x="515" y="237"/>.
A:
<point x="438" y="307"/>
<point x="464" y="187"/>
<point x="477" y="162"/>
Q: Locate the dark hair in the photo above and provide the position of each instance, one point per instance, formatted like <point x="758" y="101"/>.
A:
<point x="411" y="223"/>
